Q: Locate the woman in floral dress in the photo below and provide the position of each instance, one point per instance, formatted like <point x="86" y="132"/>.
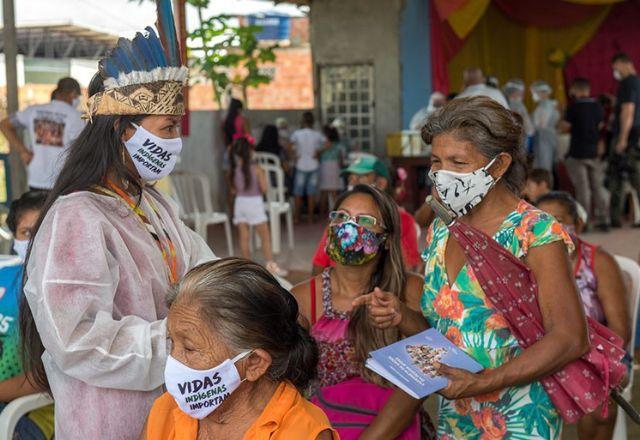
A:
<point x="478" y="171"/>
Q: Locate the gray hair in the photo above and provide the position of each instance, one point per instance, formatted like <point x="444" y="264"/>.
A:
<point x="246" y="305"/>
<point x="490" y="127"/>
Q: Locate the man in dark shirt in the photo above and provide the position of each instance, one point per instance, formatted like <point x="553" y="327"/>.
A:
<point x="584" y="118"/>
<point x="625" y="156"/>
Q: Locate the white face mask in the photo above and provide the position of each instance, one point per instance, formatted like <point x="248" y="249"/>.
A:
<point x="461" y="192"/>
<point x="535" y="97"/>
<point x="75" y="103"/>
<point x="153" y="156"/>
<point x="617" y="75"/>
<point x="20" y="248"/>
<point x="198" y="393"/>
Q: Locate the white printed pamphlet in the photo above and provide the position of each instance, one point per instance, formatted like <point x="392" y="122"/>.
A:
<point x="409" y="363"/>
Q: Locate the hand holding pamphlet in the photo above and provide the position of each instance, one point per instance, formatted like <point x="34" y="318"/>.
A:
<point x="409" y="363"/>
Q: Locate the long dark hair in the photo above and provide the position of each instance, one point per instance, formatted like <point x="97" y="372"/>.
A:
<point x="270" y="140"/>
<point x="235" y="107"/>
<point x="95" y="154"/>
<point x="389" y="275"/>
<point x="246" y="305"/>
<point x="242" y="148"/>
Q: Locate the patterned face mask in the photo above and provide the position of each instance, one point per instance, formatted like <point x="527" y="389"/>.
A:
<point x="461" y="192"/>
<point x="350" y="244"/>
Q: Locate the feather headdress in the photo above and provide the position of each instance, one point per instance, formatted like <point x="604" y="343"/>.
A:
<point x="143" y="76"/>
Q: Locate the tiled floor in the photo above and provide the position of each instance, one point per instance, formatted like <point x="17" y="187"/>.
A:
<point x="624" y="242"/>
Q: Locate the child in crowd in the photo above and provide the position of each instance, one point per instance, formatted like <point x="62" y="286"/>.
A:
<point x="584" y="119"/>
<point x="14" y="383"/>
<point x="602" y="290"/>
<point x="332" y="157"/>
<point x="307" y="144"/>
<point x="539" y="182"/>
<point x="250" y="183"/>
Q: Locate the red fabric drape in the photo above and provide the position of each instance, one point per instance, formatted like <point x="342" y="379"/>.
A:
<point x="618" y="33"/>
<point x="546" y="13"/>
<point x="445" y="44"/>
<point x="446" y="7"/>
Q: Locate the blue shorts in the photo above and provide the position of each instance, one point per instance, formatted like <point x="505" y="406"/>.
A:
<point x="305" y="183"/>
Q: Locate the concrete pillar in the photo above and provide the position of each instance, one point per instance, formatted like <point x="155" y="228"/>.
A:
<point x="415" y="58"/>
<point x="17" y="171"/>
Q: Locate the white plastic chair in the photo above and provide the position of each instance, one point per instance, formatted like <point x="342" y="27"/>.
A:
<point x="276" y="205"/>
<point x="192" y="191"/>
<point x="263" y="158"/>
<point x="631" y="276"/>
<point x="19" y="407"/>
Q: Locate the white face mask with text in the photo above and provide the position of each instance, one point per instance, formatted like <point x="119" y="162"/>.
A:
<point x="198" y="393"/>
<point x="154" y="157"/>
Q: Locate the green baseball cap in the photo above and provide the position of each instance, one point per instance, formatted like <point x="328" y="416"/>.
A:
<point x="366" y="164"/>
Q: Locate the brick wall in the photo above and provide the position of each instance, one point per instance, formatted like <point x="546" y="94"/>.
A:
<point x="291" y="87"/>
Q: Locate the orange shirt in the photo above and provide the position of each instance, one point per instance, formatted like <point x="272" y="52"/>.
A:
<point x="287" y="416"/>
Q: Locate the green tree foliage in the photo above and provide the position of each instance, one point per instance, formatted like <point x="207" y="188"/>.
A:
<point x="227" y="54"/>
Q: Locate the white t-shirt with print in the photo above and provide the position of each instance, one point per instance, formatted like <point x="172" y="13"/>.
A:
<point x="52" y="128"/>
<point x="307" y="142"/>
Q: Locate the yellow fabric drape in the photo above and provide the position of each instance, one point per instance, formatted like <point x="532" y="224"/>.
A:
<point x="465" y="18"/>
<point x="507" y="49"/>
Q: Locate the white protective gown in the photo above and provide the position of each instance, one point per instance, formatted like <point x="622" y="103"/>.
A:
<point x="97" y="284"/>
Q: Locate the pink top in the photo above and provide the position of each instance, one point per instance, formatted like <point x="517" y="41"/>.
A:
<point x="337" y="355"/>
<point x="238" y="182"/>
<point x="585" y="275"/>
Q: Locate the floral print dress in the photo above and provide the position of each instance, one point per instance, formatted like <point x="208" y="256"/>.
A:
<point x="463" y="313"/>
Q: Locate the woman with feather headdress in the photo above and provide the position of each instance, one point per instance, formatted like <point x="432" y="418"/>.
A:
<point x="108" y="246"/>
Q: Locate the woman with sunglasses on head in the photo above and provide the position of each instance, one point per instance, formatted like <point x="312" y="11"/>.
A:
<point x="364" y="243"/>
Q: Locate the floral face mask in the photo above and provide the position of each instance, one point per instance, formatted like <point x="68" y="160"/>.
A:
<point x="350" y="244"/>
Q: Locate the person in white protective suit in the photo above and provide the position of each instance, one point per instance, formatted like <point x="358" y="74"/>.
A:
<point x="514" y="91"/>
<point x="109" y="247"/>
<point x="436" y="100"/>
<point x="546" y="117"/>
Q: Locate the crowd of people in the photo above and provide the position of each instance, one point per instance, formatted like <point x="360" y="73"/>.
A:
<point x="138" y="331"/>
<point x="603" y="152"/>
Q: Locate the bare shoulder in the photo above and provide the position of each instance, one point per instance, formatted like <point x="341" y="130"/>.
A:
<point x="605" y="259"/>
<point x="605" y="263"/>
<point x="302" y="293"/>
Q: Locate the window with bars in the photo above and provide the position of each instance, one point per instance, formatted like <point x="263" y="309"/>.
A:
<point x="346" y="92"/>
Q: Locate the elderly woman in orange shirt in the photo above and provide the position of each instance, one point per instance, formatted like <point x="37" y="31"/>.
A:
<point x="238" y="360"/>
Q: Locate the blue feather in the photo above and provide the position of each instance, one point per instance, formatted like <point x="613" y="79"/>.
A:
<point x="122" y="59"/>
<point x="125" y="47"/>
<point x="143" y="52"/>
<point x="167" y="32"/>
<point x="108" y="68"/>
<point x="156" y="47"/>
